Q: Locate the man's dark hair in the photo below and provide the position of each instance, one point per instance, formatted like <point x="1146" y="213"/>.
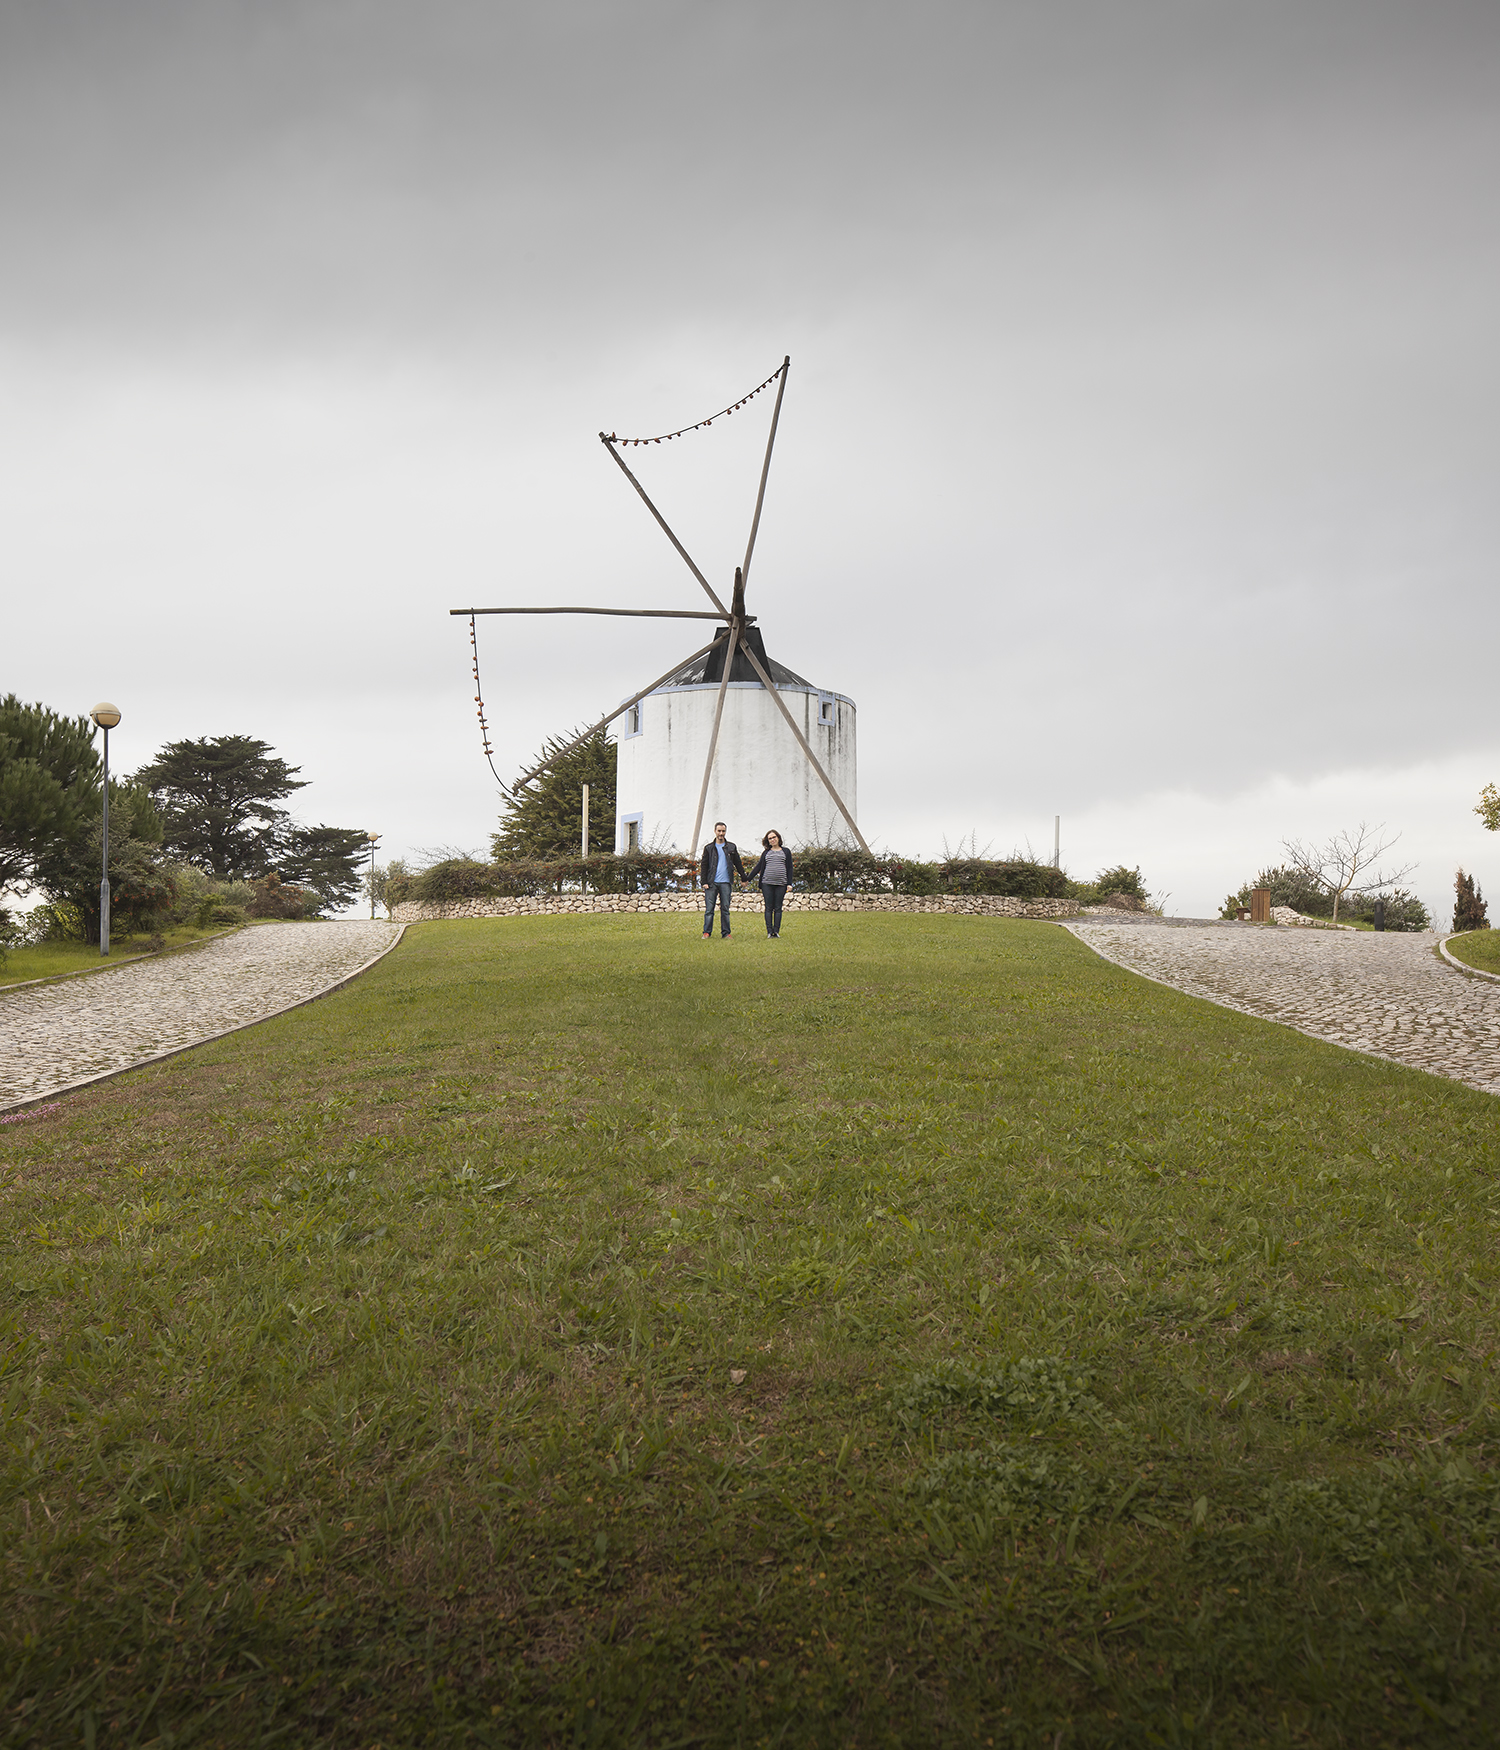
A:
<point x="723" y="823"/>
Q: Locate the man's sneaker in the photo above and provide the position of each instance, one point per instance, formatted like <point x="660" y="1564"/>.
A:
<point x="707" y="934"/>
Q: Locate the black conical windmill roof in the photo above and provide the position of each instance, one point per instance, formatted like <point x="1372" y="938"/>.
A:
<point x="708" y="669"/>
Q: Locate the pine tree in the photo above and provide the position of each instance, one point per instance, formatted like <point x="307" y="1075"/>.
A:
<point x="219" y="799"/>
<point x="546" y="816"/>
<point x="1470" y="912"/>
<point x="329" y="859"/>
<point x="49" y="785"/>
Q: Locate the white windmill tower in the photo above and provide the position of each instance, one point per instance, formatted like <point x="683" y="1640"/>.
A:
<point x="789" y="747"/>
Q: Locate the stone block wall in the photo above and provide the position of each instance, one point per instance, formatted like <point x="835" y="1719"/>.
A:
<point x="746" y="899"/>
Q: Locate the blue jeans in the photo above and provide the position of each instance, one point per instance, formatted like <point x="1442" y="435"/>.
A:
<point x="716" y="893"/>
<point x="772" y="897"/>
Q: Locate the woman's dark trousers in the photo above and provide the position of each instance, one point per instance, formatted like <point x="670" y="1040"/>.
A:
<point x="772" y="896"/>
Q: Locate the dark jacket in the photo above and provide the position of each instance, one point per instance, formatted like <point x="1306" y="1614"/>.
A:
<point x="711" y="861"/>
<point x="755" y="873"/>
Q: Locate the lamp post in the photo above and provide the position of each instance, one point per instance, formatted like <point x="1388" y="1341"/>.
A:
<point x="374" y="838"/>
<point x="106" y="716"/>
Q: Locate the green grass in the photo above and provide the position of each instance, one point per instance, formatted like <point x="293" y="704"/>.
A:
<point x="49" y="959"/>
<point x="916" y="1331"/>
<point x="1479" y="948"/>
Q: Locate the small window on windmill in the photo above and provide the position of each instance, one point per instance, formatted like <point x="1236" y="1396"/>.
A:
<point x="633" y="718"/>
<point x="632" y="825"/>
<point x="825" y="708"/>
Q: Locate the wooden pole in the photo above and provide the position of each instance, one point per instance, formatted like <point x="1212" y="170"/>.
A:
<point x="806" y="747"/>
<point x="628" y="613"/>
<point x="760" y="497"/>
<point x="634" y="699"/>
<point x="665" y="526"/>
<point x="713" y="740"/>
<point x="585" y="820"/>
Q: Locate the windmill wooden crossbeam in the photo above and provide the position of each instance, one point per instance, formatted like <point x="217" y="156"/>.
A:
<point x="738" y="638"/>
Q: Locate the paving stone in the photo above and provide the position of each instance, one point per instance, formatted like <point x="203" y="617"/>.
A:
<point x="1385" y="994"/>
<point x="54" y="1035"/>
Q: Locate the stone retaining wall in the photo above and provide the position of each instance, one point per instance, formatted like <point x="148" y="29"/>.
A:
<point x="746" y="899"/>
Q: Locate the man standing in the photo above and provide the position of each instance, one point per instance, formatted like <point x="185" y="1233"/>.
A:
<point x="720" y="856"/>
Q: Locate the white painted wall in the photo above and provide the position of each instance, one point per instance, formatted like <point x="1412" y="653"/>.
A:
<point x="761" y="778"/>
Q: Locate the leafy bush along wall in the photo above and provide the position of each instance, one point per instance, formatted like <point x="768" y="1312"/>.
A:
<point x="1403" y="910"/>
<point x="818" y="871"/>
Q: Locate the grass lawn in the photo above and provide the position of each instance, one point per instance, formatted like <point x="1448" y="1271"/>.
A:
<point x="47" y="959"/>
<point x="915" y="1331"/>
<point x="1479" y="948"/>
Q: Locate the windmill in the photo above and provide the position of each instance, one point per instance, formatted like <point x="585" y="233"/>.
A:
<point x="736" y="653"/>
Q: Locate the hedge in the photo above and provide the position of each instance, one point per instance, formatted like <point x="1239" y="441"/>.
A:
<point x="817" y="871"/>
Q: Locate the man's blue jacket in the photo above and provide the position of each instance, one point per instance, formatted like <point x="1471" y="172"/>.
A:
<point x="711" y="861"/>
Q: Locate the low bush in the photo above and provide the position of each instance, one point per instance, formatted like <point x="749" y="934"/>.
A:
<point x="275" y="898"/>
<point x="1403" y="910"/>
<point x="203" y="900"/>
<point x="1127" y="883"/>
<point x="1018" y="878"/>
<point x="1288" y="887"/>
<point x="819" y="870"/>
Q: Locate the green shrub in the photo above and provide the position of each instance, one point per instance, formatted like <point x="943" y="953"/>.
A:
<point x="832" y="869"/>
<point x="1019" y="878"/>
<point x="275" y="898"/>
<point x="1403" y="910"/>
<point x="1288" y="887"/>
<point x="1121" y="880"/>
<point x="822" y="869"/>
<point x="143" y="889"/>
<point x="58" y="921"/>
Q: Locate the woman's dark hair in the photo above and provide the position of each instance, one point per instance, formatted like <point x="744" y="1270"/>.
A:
<point x="765" y="843"/>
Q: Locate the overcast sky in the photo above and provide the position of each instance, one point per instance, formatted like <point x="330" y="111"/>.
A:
<point x="1138" y="460"/>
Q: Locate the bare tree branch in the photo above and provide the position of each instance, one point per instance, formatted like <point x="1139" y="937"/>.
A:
<point x="1338" y="866"/>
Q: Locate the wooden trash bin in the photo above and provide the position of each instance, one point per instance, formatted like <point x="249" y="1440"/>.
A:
<point x="1260" y="905"/>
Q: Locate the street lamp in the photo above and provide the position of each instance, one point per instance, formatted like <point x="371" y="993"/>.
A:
<point x="374" y="838"/>
<point x="106" y="716"/>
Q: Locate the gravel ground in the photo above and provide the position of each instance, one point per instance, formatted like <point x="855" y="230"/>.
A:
<point x="53" y="1036"/>
<point x="1387" y="994"/>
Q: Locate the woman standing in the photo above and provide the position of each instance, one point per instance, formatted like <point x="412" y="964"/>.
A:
<point x="774" y="872"/>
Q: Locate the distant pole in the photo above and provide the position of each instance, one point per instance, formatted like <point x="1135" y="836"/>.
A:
<point x="106" y="716"/>
<point x="374" y="838"/>
<point x="1057" y="841"/>
<point x="585" y="820"/>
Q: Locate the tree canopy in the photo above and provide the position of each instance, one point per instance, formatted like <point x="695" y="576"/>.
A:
<point x="328" y="859"/>
<point x="545" y="817"/>
<point x="220" y="799"/>
<point x="49" y="785"/>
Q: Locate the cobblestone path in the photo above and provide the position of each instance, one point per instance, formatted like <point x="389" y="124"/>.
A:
<point x="1389" y="995"/>
<point x="54" y="1035"/>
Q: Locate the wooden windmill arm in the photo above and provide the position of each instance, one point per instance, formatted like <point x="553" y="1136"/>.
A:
<point x="624" y="705"/>
<point x="604" y="439"/>
<point x="713" y="740"/>
<point x="805" y="745"/>
<point x="628" y="613"/>
<point x="760" y="497"/>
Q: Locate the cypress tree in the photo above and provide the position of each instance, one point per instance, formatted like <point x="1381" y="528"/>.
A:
<point x="1470" y="910"/>
<point x="545" y="818"/>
